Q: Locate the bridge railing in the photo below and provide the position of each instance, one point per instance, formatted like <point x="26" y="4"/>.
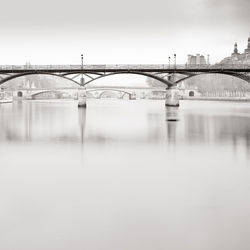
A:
<point x="103" y="67"/>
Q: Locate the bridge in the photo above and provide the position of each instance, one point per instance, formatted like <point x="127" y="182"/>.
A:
<point x="92" y="92"/>
<point x="161" y="72"/>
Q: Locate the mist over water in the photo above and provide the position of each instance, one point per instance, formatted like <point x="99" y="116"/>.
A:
<point x="124" y="175"/>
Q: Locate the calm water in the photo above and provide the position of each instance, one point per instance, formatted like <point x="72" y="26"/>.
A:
<point x="123" y="175"/>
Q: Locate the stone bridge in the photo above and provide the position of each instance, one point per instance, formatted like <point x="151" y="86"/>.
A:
<point x="93" y="92"/>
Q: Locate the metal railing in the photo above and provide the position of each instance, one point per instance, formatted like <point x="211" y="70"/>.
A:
<point x="125" y="67"/>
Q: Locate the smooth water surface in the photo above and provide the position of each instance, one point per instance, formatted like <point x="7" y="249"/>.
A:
<point x="124" y="175"/>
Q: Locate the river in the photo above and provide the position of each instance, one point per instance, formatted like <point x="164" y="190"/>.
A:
<point x="124" y="175"/>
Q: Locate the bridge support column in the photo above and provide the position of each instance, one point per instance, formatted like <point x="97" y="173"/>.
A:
<point x="82" y="98"/>
<point x="172" y="97"/>
<point x="82" y="81"/>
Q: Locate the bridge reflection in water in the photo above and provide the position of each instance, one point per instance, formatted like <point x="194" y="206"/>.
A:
<point x="110" y="121"/>
<point x="124" y="173"/>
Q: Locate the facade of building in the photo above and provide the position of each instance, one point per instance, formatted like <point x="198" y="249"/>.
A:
<point x="188" y="91"/>
<point x="196" y="60"/>
<point x="238" y="58"/>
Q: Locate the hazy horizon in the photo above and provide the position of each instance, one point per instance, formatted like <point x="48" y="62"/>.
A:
<point x="45" y="32"/>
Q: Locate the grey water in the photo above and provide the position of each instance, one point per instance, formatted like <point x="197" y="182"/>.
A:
<point x="124" y="175"/>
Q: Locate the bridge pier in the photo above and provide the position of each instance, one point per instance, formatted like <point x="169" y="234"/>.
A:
<point x="82" y="81"/>
<point x="172" y="97"/>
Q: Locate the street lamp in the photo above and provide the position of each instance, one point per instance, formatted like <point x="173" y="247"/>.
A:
<point x="82" y="79"/>
<point x="81" y="61"/>
<point x="175" y="61"/>
<point x="169" y="62"/>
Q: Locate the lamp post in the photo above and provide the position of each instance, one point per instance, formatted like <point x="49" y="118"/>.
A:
<point x="82" y="62"/>
<point x="175" y="61"/>
<point x="82" y="79"/>
<point x="169" y="62"/>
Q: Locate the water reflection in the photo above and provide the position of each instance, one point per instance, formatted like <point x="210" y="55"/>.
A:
<point x="172" y="118"/>
<point x="124" y="175"/>
<point x="105" y="122"/>
<point x="39" y="121"/>
<point x="82" y="122"/>
<point x="227" y="128"/>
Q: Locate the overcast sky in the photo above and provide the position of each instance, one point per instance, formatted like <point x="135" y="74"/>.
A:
<point x="114" y="31"/>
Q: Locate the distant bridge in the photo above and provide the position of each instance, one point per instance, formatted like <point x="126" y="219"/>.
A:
<point x="160" y="72"/>
<point x="96" y="92"/>
<point x="100" y="92"/>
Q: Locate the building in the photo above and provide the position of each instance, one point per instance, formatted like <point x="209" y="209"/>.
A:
<point x="236" y="57"/>
<point x="188" y="91"/>
<point x="197" y="60"/>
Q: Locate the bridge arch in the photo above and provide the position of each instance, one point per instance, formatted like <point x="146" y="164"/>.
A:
<point x="105" y="90"/>
<point x="45" y="92"/>
<point x="84" y="73"/>
<point x="160" y="79"/>
<point x="191" y="93"/>
<point x="11" y="77"/>
<point x="243" y="77"/>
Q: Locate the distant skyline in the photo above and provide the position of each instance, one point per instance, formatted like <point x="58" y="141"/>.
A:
<point x="113" y="31"/>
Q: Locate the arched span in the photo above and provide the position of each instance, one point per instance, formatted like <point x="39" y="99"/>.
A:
<point x="8" y="78"/>
<point x="45" y="92"/>
<point x="164" y="81"/>
<point x="174" y="73"/>
<point x="122" y="96"/>
<point x="233" y="74"/>
<point x="112" y="92"/>
<point x="109" y="89"/>
<point x="80" y="72"/>
<point x="191" y="93"/>
<point x="19" y="94"/>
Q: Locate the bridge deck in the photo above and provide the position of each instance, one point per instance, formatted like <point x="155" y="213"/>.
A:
<point x="164" y="68"/>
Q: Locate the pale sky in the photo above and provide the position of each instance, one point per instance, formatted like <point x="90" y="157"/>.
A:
<point x="114" y="31"/>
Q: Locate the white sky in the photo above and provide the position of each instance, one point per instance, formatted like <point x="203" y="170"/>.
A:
<point x="114" y="31"/>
